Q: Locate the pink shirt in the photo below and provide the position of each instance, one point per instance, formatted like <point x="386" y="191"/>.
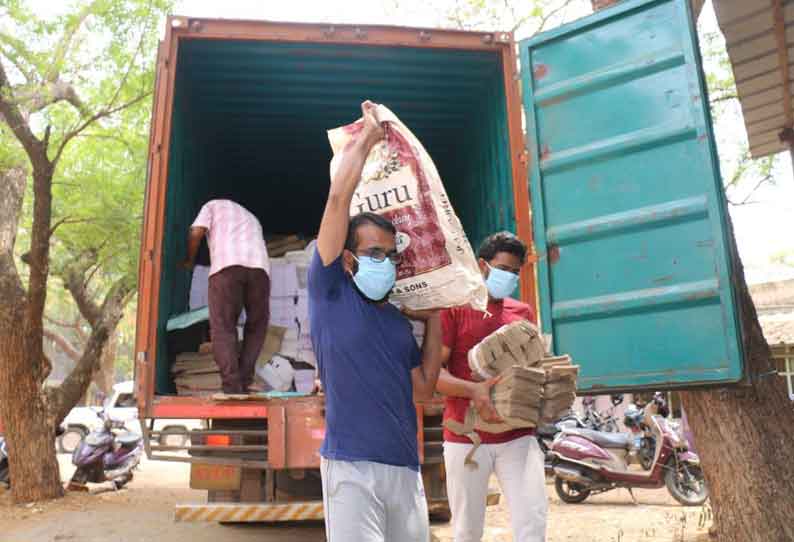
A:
<point x="234" y="236"/>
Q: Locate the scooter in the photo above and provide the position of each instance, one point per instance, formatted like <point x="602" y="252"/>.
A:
<point x="634" y="420"/>
<point x="587" y="462"/>
<point x="546" y="433"/>
<point x="106" y="454"/>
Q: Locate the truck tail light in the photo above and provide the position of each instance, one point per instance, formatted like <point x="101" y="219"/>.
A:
<point x="219" y="440"/>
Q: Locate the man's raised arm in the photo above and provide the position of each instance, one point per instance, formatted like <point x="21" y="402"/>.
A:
<point x="336" y="217"/>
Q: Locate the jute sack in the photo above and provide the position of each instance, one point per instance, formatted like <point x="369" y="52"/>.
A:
<point x="400" y="182"/>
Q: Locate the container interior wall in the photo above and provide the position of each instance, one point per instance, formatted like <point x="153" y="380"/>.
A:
<point x="249" y="123"/>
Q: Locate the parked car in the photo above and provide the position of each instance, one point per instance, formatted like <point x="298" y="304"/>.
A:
<point x="121" y="406"/>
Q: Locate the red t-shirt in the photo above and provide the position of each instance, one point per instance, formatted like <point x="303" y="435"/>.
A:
<point x="464" y="327"/>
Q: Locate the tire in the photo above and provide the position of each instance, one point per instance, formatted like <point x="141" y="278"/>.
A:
<point x="570" y="492"/>
<point x="686" y="483"/>
<point x="174" y="436"/>
<point x="68" y="442"/>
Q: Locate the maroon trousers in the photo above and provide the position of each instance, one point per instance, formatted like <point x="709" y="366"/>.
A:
<point x="230" y="290"/>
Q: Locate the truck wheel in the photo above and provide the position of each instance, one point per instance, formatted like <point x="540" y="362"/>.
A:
<point x="70" y="439"/>
<point x="173" y="435"/>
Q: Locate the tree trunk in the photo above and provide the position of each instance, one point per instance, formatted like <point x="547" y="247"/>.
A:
<point x="29" y="435"/>
<point x="744" y="437"/>
<point x="31" y="438"/>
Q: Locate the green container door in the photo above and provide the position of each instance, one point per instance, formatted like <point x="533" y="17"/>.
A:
<point x="629" y="212"/>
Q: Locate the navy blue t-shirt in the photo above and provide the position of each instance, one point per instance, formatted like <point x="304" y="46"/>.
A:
<point x="365" y="353"/>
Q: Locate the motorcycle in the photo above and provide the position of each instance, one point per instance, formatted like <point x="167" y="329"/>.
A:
<point x="106" y="454"/>
<point x="601" y="421"/>
<point x="587" y="462"/>
<point x="5" y="477"/>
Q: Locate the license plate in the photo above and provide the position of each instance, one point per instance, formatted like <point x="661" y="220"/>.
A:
<point x="215" y="477"/>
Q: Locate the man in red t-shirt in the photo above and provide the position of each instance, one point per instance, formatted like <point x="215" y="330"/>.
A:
<point x="514" y="456"/>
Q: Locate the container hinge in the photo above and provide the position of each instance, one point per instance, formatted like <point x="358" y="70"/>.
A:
<point x="424" y="36"/>
<point x="523" y="157"/>
<point x="142" y="357"/>
<point x="487" y="38"/>
<point x="360" y="33"/>
<point x="150" y="254"/>
<point x="330" y="31"/>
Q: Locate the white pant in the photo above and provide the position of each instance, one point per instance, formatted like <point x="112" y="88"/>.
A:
<point x="518" y="466"/>
<point x="373" y="502"/>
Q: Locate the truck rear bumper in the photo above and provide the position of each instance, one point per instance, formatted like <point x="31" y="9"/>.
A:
<point x="268" y="512"/>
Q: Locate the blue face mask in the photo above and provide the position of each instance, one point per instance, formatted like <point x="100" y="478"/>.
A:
<point x="375" y="279"/>
<point x="500" y="283"/>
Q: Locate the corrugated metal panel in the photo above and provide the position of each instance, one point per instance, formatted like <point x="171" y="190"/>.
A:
<point x="629" y="213"/>
<point x="753" y="43"/>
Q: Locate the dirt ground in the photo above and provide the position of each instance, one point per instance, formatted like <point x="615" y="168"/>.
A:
<point x="144" y="512"/>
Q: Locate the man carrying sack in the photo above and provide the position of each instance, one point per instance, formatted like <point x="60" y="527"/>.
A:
<point x="370" y="366"/>
<point x="514" y="455"/>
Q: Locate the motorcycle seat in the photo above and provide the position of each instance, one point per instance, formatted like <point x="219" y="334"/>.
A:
<point x="97" y="439"/>
<point x="128" y="439"/>
<point x="607" y="440"/>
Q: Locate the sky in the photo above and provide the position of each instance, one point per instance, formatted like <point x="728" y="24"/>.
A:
<point x="763" y="228"/>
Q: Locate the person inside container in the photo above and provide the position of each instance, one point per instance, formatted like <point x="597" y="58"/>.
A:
<point x="238" y="278"/>
<point x="513" y="456"/>
<point x="370" y="367"/>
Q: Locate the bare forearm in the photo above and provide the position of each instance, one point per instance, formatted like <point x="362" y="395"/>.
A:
<point x="336" y="217"/>
<point x="453" y="386"/>
<point x="431" y="359"/>
<point x="193" y="242"/>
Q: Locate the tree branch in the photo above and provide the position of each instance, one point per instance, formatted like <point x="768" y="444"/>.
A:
<point x="37" y="98"/>
<point x="121" y="140"/>
<point x="22" y="52"/>
<point x="73" y="276"/>
<point x="54" y="71"/>
<point x="62" y="343"/>
<point x="95" y="117"/>
<point x="64" y="397"/>
<point x="16" y="121"/>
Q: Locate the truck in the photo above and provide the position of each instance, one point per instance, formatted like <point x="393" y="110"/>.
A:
<point x="596" y="148"/>
<point x="121" y="406"/>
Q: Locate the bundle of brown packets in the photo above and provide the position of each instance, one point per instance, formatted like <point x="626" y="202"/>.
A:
<point x="534" y="388"/>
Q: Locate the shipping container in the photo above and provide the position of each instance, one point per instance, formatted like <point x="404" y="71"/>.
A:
<point x="628" y="212"/>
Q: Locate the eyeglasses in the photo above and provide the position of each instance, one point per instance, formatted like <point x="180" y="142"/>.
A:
<point x="378" y="255"/>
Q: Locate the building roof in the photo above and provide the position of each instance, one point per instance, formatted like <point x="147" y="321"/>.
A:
<point x="760" y="40"/>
